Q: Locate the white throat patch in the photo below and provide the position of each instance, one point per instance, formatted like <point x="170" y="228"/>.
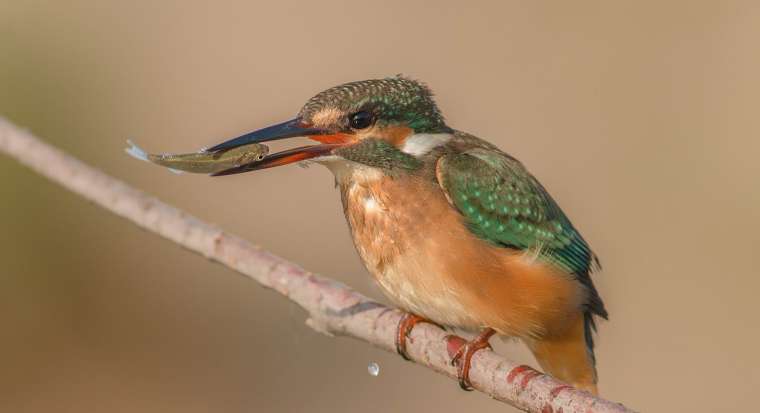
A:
<point x="421" y="143"/>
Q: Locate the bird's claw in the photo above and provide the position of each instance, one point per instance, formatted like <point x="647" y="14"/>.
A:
<point x="462" y="359"/>
<point x="405" y="326"/>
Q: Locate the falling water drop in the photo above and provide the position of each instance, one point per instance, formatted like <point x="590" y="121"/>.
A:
<point x="373" y="369"/>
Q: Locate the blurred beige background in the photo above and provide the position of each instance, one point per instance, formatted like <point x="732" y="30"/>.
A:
<point x="642" y="120"/>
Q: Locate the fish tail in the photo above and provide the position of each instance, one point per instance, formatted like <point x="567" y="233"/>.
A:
<point x="136" y="152"/>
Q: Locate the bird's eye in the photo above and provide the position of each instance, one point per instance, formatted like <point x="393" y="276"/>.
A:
<point x="361" y="120"/>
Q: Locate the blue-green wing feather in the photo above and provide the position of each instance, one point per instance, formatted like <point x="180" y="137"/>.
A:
<point x="504" y="204"/>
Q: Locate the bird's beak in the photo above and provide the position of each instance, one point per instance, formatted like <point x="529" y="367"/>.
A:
<point x="290" y="129"/>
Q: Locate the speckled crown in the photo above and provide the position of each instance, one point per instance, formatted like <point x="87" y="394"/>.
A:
<point x="397" y="99"/>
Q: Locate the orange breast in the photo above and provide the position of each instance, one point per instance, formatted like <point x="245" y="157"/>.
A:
<point x="427" y="262"/>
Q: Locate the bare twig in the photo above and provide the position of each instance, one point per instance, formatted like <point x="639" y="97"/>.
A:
<point x="333" y="308"/>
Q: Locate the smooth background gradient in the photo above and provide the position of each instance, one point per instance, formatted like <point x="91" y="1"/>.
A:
<point x="641" y="119"/>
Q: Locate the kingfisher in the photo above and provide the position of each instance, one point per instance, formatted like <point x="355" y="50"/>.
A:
<point x="454" y="231"/>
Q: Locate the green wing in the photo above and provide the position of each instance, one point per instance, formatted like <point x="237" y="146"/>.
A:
<point x="504" y="204"/>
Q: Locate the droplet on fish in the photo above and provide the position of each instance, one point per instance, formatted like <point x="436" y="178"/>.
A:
<point x="373" y="369"/>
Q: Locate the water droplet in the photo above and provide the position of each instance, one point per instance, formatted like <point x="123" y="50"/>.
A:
<point x="373" y="369"/>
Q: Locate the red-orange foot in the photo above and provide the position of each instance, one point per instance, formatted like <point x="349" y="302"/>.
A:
<point x="463" y="357"/>
<point x="405" y="326"/>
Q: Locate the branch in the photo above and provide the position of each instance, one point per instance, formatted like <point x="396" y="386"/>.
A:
<point x="333" y="308"/>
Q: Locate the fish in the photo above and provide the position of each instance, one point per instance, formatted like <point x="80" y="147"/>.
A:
<point x="202" y="162"/>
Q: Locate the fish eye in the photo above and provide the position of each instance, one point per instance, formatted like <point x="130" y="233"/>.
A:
<point x="361" y="120"/>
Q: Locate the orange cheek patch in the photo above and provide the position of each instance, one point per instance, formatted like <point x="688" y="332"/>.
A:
<point x="397" y="134"/>
<point x="334" y="138"/>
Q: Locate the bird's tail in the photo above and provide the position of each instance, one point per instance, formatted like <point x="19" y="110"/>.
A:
<point x="569" y="356"/>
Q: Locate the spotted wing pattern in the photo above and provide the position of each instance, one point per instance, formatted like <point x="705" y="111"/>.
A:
<point x="504" y="204"/>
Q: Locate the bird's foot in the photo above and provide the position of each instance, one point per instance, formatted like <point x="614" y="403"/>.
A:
<point x="463" y="357"/>
<point x="405" y="326"/>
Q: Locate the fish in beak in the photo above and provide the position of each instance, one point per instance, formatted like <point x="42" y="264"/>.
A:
<point x="329" y="140"/>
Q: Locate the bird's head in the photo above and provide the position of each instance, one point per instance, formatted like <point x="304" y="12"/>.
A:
<point x="386" y="123"/>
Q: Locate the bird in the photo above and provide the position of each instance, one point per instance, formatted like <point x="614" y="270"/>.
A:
<point x="454" y="231"/>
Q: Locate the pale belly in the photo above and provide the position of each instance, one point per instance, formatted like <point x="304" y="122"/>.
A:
<point x="427" y="262"/>
<point x="398" y="237"/>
